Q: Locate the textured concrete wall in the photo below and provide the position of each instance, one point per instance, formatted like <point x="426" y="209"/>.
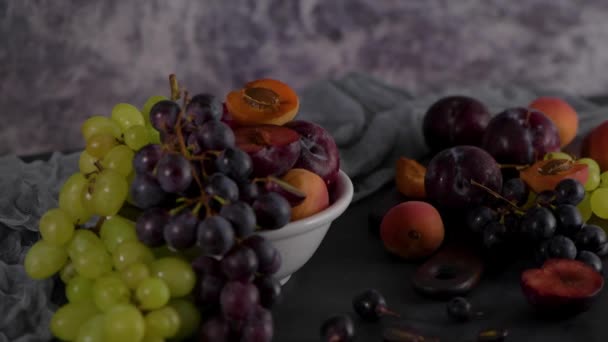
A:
<point x="61" y="61"/>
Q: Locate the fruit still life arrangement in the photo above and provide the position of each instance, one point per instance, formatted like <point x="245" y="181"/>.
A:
<point x="156" y="237"/>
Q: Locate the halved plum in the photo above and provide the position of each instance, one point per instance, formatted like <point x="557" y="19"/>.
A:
<point x="273" y="149"/>
<point x="546" y="174"/>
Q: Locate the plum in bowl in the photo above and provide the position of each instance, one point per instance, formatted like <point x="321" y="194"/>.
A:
<point x="298" y="240"/>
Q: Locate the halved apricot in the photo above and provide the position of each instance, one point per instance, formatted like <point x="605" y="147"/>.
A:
<point x="409" y="177"/>
<point x="545" y="174"/>
<point x="264" y="101"/>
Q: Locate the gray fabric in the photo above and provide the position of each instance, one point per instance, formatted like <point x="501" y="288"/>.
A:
<point x="371" y="122"/>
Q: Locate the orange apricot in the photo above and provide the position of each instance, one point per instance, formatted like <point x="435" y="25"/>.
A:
<point x="595" y="145"/>
<point x="546" y="174"/>
<point x="317" y="195"/>
<point x="412" y="230"/>
<point x="264" y="101"/>
<point x="562" y="114"/>
<point x="409" y="177"/>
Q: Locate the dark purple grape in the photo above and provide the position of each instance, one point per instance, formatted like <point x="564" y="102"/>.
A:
<point x="452" y="175"/>
<point x="272" y="211"/>
<point x="590" y="259"/>
<point x="339" y="328"/>
<point x="174" y="173"/>
<point x="209" y="289"/>
<point x="459" y="309"/>
<point x="242" y="217"/>
<point x="203" y="108"/>
<point x="590" y="238"/>
<point x="215" y="136"/>
<point x="270" y="291"/>
<point x="569" y="191"/>
<point x="370" y="305"/>
<point x="455" y="120"/>
<point x="520" y="136"/>
<point x="515" y="190"/>
<point x="215" y="329"/>
<point x="259" y="327"/>
<point x="240" y="263"/>
<point x="180" y="231"/>
<point x="561" y="247"/>
<point x="546" y="198"/>
<point x="235" y="163"/>
<point x="206" y="265"/>
<point x="603" y="251"/>
<point x="146" y="159"/>
<point x="248" y="191"/>
<point x="538" y="224"/>
<point x="163" y="115"/>
<point x="569" y="219"/>
<point x="265" y="252"/>
<point x="215" y="235"/>
<point x="222" y="186"/>
<point x="512" y="223"/>
<point x="494" y="234"/>
<point x="479" y="217"/>
<point x="150" y="225"/>
<point x="541" y="253"/>
<point x="238" y="300"/>
<point x="193" y="145"/>
<point x="146" y="192"/>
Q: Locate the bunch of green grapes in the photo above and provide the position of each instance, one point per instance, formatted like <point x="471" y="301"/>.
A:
<point x="117" y="288"/>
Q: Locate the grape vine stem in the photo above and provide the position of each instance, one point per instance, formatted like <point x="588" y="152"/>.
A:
<point x="497" y="195"/>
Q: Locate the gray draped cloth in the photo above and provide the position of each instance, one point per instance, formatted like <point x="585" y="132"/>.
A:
<point x="372" y="123"/>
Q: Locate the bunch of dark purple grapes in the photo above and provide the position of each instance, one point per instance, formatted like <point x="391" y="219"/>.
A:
<point x="551" y="226"/>
<point x="197" y="194"/>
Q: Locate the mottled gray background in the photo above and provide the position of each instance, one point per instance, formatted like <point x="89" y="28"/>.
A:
<point x="61" y="61"/>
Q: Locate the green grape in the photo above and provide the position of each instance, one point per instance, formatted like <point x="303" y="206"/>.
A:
<point x="557" y="155"/>
<point x="115" y="231"/>
<point x="124" y="323"/>
<point x="136" y="137"/>
<point x="593" y="181"/>
<point x="100" y="144"/>
<point x="84" y="240"/>
<point x="119" y="159"/>
<point x="152" y="338"/>
<point x="79" y="289"/>
<point x="86" y="163"/>
<point x="66" y="321"/>
<point x="92" y="330"/>
<point x="56" y="227"/>
<point x="44" y="259"/>
<point x="599" y="203"/>
<point x="152" y="293"/>
<point x="86" y="197"/>
<point x="93" y="263"/>
<point x="70" y="198"/>
<point x="99" y="124"/>
<point x="134" y="274"/>
<point x="131" y="252"/>
<point x="68" y="272"/>
<point x="153" y="135"/>
<point x="109" y="193"/>
<point x="151" y="101"/>
<point x="189" y="318"/>
<point x="110" y="291"/>
<point x="177" y="273"/>
<point x="126" y="116"/>
<point x="163" y="322"/>
<point x="604" y="180"/>
<point x="585" y="207"/>
<point x="593" y="166"/>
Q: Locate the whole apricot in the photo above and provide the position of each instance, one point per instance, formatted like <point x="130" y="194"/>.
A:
<point x="561" y="113"/>
<point x="595" y="145"/>
<point x="317" y="195"/>
<point x="412" y="230"/>
<point x="409" y="177"/>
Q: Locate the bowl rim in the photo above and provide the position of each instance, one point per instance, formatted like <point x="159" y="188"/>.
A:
<point x="344" y="191"/>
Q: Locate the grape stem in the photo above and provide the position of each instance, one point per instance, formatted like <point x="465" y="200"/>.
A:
<point x="497" y="195"/>
<point x="177" y="210"/>
<point x="514" y="166"/>
<point x="175" y="93"/>
<point x="97" y="228"/>
<point x="98" y="165"/>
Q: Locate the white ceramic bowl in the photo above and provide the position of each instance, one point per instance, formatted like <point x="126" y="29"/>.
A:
<point x="298" y="240"/>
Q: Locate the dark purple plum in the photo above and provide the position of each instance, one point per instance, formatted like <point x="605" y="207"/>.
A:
<point x="455" y="120"/>
<point x="520" y="136"/>
<point x="273" y="149"/>
<point x="319" y="150"/>
<point x="450" y="177"/>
